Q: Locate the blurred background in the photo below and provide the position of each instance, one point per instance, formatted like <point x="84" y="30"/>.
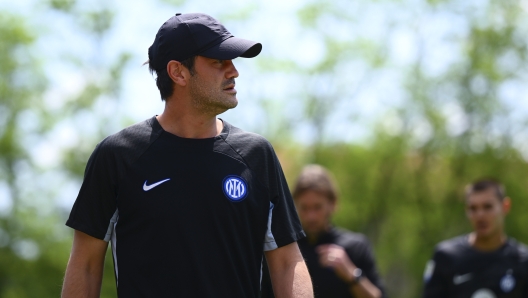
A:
<point x="405" y="101"/>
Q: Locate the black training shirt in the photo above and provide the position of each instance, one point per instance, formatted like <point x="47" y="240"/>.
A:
<point x="326" y="283"/>
<point x="186" y="217"/>
<point x="459" y="270"/>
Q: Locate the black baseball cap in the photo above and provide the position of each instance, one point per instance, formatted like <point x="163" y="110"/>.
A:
<point x="190" y="34"/>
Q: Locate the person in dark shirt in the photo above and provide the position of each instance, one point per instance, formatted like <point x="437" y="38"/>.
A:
<point x="341" y="263"/>
<point x="485" y="263"/>
<point x="190" y="203"/>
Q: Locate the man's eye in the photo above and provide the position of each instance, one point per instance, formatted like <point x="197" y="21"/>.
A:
<point x="220" y="61"/>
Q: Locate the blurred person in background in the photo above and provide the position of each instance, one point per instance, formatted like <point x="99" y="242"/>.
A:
<point x="485" y="263"/>
<point x="341" y="263"/>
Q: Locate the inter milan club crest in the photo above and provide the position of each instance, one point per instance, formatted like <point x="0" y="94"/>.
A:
<point x="507" y="282"/>
<point x="235" y="188"/>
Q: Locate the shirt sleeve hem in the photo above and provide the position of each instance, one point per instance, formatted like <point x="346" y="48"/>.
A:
<point x="296" y="236"/>
<point x="87" y="230"/>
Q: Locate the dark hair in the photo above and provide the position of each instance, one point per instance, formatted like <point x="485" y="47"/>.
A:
<point x="486" y="184"/>
<point x="316" y="178"/>
<point x="164" y="82"/>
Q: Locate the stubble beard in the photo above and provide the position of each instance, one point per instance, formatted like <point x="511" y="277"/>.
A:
<point x="211" y="99"/>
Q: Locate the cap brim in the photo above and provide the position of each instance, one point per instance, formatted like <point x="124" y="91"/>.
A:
<point x="232" y="48"/>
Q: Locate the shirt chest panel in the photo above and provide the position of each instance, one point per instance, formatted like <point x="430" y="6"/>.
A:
<point x="188" y="187"/>
<point x="474" y="273"/>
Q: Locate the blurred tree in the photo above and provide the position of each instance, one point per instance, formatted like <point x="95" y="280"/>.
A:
<point x="403" y="187"/>
<point x="21" y="83"/>
<point x="443" y="72"/>
<point x="34" y="244"/>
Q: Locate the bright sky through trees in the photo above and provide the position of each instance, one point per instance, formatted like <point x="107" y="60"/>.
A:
<point x="275" y="24"/>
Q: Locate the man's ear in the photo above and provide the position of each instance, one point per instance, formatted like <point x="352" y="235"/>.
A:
<point x="506" y="205"/>
<point x="177" y="72"/>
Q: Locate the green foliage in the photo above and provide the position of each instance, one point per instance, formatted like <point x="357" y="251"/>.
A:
<point x="406" y="200"/>
<point x="401" y="186"/>
<point x="98" y="21"/>
<point x="174" y="2"/>
<point x="308" y="14"/>
<point x="34" y="243"/>
<point x="16" y="91"/>
<point x="64" y="5"/>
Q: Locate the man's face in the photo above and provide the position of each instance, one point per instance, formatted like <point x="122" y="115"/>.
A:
<point x="314" y="211"/>
<point x="486" y="213"/>
<point x="212" y="87"/>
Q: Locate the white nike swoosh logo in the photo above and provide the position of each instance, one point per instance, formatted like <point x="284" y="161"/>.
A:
<point x="459" y="279"/>
<point x="149" y="187"/>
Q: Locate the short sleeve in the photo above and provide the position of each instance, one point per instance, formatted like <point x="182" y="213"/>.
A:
<point x="525" y="265"/>
<point x="435" y="281"/>
<point x="284" y="226"/>
<point x="96" y="206"/>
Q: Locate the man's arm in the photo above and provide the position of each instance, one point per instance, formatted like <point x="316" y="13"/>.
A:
<point x="288" y="272"/>
<point x="84" y="272"/>
<point x="334" y="256"/>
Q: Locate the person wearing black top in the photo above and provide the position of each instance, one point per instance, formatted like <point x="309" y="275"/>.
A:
<point x="190" y="203"/>
<point x="341" y="263"/>
<point x="485" y="263"/>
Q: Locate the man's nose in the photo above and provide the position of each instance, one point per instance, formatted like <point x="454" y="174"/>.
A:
<point x="311" y="215"/>
<point x="480" y="213"/>
<point x="231" y="72"/>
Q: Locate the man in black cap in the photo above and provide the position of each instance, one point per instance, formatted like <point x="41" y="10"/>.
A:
<point x="190" y="203"/>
